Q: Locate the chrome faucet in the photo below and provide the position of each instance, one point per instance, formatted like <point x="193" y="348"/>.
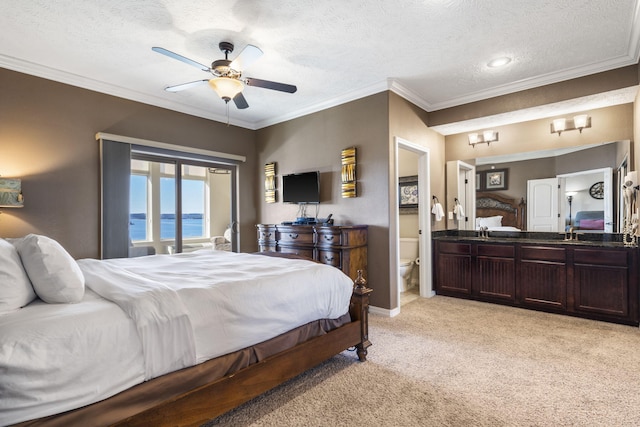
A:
<point x="483" y="232"/>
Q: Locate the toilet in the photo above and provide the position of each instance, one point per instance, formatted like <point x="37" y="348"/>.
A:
<point x="408" y="259"/>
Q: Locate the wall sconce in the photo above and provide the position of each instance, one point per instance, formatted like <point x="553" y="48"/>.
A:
<point x="578" y="122"/>
<point x="349" y="172"/>
<point x="486" y="137"/>
<point x="270" y="182"/>
<point x="11" y="193"/>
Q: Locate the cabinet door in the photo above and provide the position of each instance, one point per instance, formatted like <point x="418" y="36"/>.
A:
<point x="543" y="278"/>
<point x="601" y="282"/>
<point x="496" y="273"/>
<point x="453" y="268"/>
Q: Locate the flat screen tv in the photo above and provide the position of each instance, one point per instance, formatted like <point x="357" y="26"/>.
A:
<point x="301" y="188"/>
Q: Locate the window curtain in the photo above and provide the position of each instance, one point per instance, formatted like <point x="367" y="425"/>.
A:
<point x="115" y="182"/>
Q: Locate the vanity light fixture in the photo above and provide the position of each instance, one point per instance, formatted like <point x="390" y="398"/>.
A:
<point x="486" y="137"/>
<point x="578" y="122"/>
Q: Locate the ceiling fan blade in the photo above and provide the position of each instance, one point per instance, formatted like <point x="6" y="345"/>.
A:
<point x="240" y="101"/>
<point x="186" y="60"/>
<point x="183" y="86"/>
<point x="248" y="55"/>
<point x="282" y="87"/>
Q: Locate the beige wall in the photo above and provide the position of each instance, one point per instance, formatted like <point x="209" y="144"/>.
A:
<point x="608" y="124"/>
<point x="47" y="138"/>
<point x="409" y="122"/>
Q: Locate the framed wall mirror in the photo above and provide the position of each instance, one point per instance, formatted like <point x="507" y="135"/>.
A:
<point x="577" y="168"/>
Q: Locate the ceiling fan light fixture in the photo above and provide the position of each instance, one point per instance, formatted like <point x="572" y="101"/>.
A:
<point x="226" y="87"/>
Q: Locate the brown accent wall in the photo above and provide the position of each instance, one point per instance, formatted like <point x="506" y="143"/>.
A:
<point x="314" y="142"/>
<point x="570" y="89"/>
<point x="47" y="138"/>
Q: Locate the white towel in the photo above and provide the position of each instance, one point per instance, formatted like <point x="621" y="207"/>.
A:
<point x="438" y="211"/>
<point x="459" y="211"/>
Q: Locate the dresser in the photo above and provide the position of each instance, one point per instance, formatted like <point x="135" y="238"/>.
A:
<point x="344" y="247"/>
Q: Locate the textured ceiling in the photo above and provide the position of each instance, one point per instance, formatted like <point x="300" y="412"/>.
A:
<point x="432" y="52"/>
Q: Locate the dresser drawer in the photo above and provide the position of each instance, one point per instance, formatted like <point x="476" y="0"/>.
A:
<point x="305" y="252"/>
<point x="296" y="235"/>
<point x="267" y="235"/>
<point x="330" y="257"/>
<point x="327" y="237"/>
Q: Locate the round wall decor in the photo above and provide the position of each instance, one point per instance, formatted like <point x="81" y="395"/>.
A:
<point x="597" y="190"/>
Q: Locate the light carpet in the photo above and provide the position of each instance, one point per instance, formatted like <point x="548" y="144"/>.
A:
<point x="452" y="362"/>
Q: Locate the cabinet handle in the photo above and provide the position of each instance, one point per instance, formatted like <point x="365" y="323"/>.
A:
<point x="293" y="236"/>
<point x="328" y="238"/>
<point x="265" y="235"/>
<point x="328" y="259"/>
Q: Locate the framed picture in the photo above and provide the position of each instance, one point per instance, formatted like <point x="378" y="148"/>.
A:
<point x="496" y="179"/>
<point x="408" y="194"/>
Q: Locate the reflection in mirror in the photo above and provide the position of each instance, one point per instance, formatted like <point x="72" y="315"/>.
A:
<point x="590" y="194"/>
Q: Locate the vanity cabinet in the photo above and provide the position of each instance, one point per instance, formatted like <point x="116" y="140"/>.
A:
<point x="594" y="282"/>
<point x="344" y="247"/>
<point x="453" y="268"/>
<point x="542" y="277"/>
<point x="602" y="283"/>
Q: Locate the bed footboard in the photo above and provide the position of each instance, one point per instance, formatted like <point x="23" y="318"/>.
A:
<point x="359" y="310"/>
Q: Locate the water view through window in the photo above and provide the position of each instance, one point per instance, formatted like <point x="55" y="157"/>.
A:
<point x="193" y="202"/>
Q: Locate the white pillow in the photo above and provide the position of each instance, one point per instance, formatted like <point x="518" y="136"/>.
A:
<point x="490" y="221"/>
<point x="55" y="275"/>
<point x="15" y="288"/>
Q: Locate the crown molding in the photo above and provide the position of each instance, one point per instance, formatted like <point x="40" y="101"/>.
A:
<point x="59" y="76"/>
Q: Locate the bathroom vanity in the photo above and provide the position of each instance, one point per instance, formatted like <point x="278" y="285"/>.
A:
<point x="595" y="277"/>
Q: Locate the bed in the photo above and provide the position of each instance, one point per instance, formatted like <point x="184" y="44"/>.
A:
<point x="500" y="213"/>
<point x="161" y="340"/>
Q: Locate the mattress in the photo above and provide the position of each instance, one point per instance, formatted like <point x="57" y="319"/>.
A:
<point x="142" y="318"/>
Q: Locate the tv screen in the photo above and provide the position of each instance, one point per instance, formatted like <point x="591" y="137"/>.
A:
<point x="301" y="188"/>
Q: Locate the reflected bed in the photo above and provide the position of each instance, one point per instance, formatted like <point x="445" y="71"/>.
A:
<point x="500" y="213"/>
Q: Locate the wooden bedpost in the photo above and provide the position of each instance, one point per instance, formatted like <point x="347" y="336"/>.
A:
<point x="359" y="310"/>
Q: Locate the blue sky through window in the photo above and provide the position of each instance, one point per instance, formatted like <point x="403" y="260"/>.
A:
<point x="192" y="195"/>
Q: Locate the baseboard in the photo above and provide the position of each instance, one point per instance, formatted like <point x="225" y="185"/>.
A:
<point x="384" y="311"/>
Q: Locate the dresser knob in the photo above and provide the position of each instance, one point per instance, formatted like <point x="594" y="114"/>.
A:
<point x="328" y="238"/>
<point x="328" y="259"/>
<point x="293" y="236"/>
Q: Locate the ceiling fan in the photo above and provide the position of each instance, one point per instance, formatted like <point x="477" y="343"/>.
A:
<point x="227" y="78"/>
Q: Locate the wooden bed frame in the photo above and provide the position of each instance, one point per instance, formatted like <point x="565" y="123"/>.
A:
<point x="208" y="401"/>
<point x="513" y="211"/>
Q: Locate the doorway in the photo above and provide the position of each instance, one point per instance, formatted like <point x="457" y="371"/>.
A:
<point x="421" y="158"/>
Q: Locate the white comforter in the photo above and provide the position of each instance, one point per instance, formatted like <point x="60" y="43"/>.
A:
<point x="170" y="311"/>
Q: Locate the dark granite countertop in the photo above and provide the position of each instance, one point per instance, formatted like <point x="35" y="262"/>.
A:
<point x="611" y="240"/>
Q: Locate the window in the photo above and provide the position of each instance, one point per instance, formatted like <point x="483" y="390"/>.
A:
<point x="204" y="210"/>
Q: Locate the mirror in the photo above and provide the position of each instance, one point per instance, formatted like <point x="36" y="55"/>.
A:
<point x="577" y="195"/>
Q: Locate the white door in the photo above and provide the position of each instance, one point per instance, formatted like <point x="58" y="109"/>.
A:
<point x="542" y="205"/>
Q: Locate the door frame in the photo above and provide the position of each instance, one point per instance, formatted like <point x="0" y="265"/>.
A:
<point x="424" y="223"/>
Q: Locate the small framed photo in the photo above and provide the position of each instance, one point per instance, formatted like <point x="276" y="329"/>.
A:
<point x="496" y="179"/>
<point x="408" y="194"/>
